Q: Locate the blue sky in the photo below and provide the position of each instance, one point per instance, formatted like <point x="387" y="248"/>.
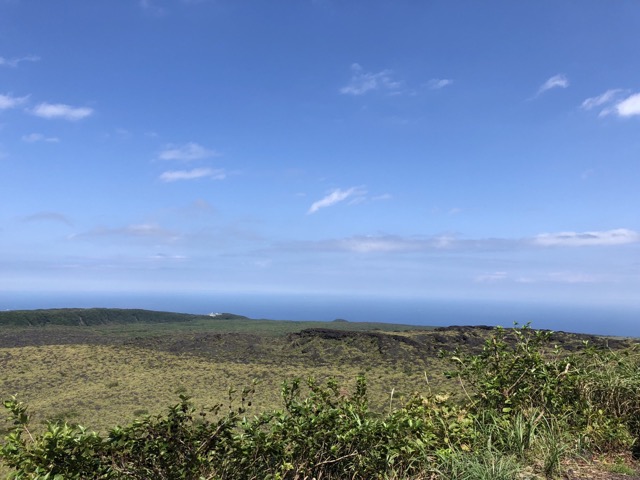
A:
<point x="426" y="149"/>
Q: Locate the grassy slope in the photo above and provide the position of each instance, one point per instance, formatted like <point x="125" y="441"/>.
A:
<point x="111" y="366"/>
<point x="103" y="374"/>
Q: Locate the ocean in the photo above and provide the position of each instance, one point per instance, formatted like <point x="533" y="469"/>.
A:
<point x="602" y="320"/>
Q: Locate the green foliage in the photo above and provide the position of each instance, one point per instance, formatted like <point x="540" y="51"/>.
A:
<point x="61" y="452"/>
<point x="527" y="406"/>
<point x="516" y="370"/>
<point x="595" y="391"/>
<point x="179" y="445"/>
<point x="324" y="433"/>
<point x="486" y="464"/>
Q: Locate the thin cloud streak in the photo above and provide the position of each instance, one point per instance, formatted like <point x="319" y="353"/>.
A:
<point x="176" y="175"/>
<point x="362" y="82"/>
<point x="336" y="196"/>
<point x="48" y="217"/>
<point x="38" y="137"/>
<point x="562" y="277"/>
<point x="620" y="236"/>
<point x="438" y="83"/>
<point x="150" y="7"/>
<point x="140" y="230"/>
<point x="187" y="152"/>
<point x="60" y="110"/>
<point x="602" y="99"/>
<point x="14" y="62"/>
<point x="371" y="244"/>
<point x="557" y="81"/>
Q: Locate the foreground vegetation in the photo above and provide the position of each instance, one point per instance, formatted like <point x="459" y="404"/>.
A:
<point x="524" y="409"/>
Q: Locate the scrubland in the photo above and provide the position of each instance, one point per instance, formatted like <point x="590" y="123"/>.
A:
<point x="230" y="397"/>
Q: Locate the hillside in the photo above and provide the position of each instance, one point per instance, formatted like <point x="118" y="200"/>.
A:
<point x="98" y="316"/>
<point x="115" y="366"/>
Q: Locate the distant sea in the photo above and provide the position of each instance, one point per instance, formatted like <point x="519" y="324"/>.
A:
<point x="599" y="320"/>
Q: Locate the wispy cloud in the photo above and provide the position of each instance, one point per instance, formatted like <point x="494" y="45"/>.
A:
<point x="603" y="99"/>
<point x="176" y="175"/>
<point x="362" y="82"/>
<point x="38" y="137"/>
<point x="139" y="230"/>
<point x="618" y="236"/>
<point x="47" y="217"/>
<point x="201" y="206"/>
<point x="612" y="103"/>
<point x="452" y="244"/>
<point x="438" y="83"/>
<point x="383" y="197"/>
<point x="557" y="81"/>
<point x="60" y="110"/>
<point x="372" y="244"/>
<point x="573" y="277"/>
<point x="387" y="244"/>
<point x="566" y="277"/>
<point x="187" y="152"/>
<point x="336" y="196"/>
<point x="150" y="6"/>
<point x="9" y="101"/>
<point x="13" y="62"/>
<point x="492" y="277"/>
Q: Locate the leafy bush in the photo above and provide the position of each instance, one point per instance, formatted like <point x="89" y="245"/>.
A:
<point x="594" y="394"/>
<point x="518" y="370"/>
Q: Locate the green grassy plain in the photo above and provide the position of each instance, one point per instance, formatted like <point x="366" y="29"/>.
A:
<point x="104" y="374"/>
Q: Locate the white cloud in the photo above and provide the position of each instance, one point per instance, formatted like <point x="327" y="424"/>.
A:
<point x="600" y="100"/>
<point x="13" y="62"/>
<point x="139" y="230"/>
<point x="573" y="277"/>
<point x="175" y="175"/>
<point x="150" y="7"/>
<point x="384" y="196"/>
<point x="629" y="106"/>
<point x="610" y="100"/>
<point x="389" y="243"/>
<point x="186" y="153"/>
<point x="566" y="277"/>
<point x="38" y="137"/>
<point x="336" y="196"/>
<point x="373" y="244"/>
<point x="60" y="110"/>
<point x="452" y="244"/>
<point x="363" y="82"/>
<point x="9" y="101"/>
<point x="366" y="244"/>
<point x="492" y="277"/>
<point x="557" y="81"/>
<point x="618" y="236"/>
<point x="144" y="229"/>
<point x="438" y="83"/>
